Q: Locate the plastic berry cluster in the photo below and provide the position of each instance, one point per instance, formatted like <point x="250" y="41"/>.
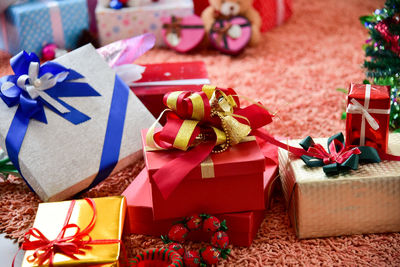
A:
<point x="205" y="256"/>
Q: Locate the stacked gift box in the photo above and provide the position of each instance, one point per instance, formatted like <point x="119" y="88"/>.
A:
<point x="350" y="199"/>
<point x="149" y="213"/>
<point x="345" y="187"/>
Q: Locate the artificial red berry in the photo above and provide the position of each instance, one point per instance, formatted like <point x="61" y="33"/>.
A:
<point x="123" y="1"/>
<point x="178" y="233"/>
<point x="220" y="239"/>
<point x="211" y="224"/>
<point x="194" y="222"/>
<point x="191" y="258"/>
<point x="210" y="255"/>
<point x="177" y="247"/>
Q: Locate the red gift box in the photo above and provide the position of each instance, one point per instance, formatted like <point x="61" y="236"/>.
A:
<point x="242" y="226"/>
<point x="368" y="111"/>
<point x="273" y="12"/>
<point x="231" y="181"/>
<point x="159" y="79"/>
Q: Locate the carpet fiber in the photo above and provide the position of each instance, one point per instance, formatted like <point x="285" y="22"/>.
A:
<point x="294" y="71"/>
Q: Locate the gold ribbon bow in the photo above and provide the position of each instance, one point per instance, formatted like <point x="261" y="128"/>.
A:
<point x="221" y="104"/>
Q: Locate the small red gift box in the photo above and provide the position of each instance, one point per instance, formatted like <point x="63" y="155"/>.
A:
<point x="368" y="110"/>
<point x="242" y="226"/>
<point x="231" y="181"/>
<point x="159" y="79"/>
<point x="273" y="12"/>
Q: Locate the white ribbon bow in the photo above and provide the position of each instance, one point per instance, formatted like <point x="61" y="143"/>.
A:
<point x="357" y="108"/>
<point x="365" y="111"/>
<point x="37" y="86"/>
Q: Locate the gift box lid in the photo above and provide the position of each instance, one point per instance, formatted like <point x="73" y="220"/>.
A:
<point x="378" y="92"/>
<point x="177" y="74"/>
<point x="242" y="159"/>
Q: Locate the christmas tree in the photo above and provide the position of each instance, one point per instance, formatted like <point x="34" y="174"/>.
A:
<point x="382" y="50"/>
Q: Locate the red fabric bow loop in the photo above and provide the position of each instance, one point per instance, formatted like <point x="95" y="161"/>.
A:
<point x="338" y="152"/>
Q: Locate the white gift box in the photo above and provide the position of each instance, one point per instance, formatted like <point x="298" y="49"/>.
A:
<point x="366" y="200"/>
<point x="60" y="159"/>
<point x="114" y="25"/>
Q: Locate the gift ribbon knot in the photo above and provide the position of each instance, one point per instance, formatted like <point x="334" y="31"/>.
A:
<point x="338" y="152"/>
<point x="36" y="87"/>
<point x="174" y="26"/>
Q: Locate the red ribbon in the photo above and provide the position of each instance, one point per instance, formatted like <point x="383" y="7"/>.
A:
<point x="70" y="246"/>
<point x="174" y="172"/>
<point x="339" y="153"/>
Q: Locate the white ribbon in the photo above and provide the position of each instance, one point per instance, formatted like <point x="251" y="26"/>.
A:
<point x="56" y="23"/>
<point x="37" y="86"/>
<point x="129" y="73"/>
<point x="365" y="111"/>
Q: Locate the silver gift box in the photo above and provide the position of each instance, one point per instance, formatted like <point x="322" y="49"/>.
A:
<point x="60" y="159"/>
<point x="366" y="200"/>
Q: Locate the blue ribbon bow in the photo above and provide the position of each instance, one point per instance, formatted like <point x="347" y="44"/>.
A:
<point x="33" y="87"/>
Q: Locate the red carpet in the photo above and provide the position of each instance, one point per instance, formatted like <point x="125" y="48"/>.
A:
<point x="294" y="71"/>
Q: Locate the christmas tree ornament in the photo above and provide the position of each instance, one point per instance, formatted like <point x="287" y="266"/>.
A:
<point x="192" y="258"/>
<point x="211" y="224"/>
<point x="220" y="239"/>
<point x="178" y="233"/>
<point x="194" y="222"/>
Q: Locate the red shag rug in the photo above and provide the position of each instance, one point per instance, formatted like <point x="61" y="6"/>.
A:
<point x="294" y="71"/>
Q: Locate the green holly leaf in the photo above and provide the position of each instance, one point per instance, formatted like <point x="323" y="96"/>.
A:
<point x="225" y="253"/>
<point x="223" y="226"/>
<point x="343" y="90"/>
<point x="204" y="216"/>
<point x="366" y="81"/>
<point x="343" y="116"/>
<point x="165" y="239"/>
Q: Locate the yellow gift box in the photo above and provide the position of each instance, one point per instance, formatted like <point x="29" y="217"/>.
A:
<point x="108" y="226"/>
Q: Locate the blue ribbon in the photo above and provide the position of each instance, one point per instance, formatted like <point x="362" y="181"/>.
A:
<point x="29" y="108"/>
<point x="114" y="132"/>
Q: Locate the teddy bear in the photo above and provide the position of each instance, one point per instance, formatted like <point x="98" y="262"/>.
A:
<point x="231" y="8"/>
